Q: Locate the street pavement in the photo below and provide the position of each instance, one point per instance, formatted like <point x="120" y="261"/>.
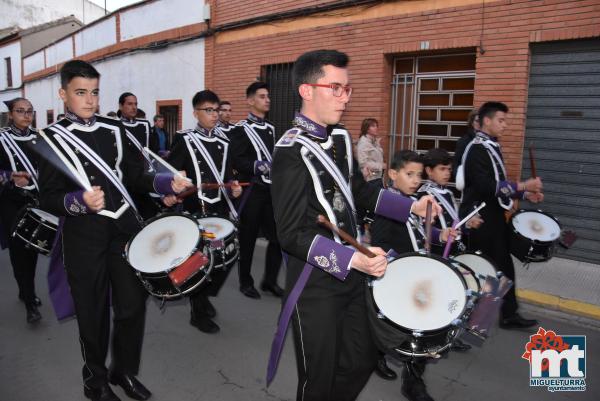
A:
<point x="43" y="362"/>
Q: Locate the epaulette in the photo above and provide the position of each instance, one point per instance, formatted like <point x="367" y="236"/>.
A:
<point x="185" y="131"/>
<point x="289" y="138"/>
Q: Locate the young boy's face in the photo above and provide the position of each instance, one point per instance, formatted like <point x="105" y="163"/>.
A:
<point x="81" y="96"/>
<point x="408" y="178"/>
<point x="207" y="114"/>
<point x="440" y="174"/>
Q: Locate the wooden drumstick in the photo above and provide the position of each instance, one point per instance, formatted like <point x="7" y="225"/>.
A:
<point x="190" y="191"/>
<point x="214" y="185"/>
<point x="428" y="228"/>
<point x="532" y="161"/>
<point x="322" y="220"/>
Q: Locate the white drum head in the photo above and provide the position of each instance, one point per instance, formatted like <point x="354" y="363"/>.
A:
<point x="420" y="293"/>
<point x="536" y="226"/>
<point x="221" y="228"/>
<point x="50" y="218"/>
<point x="478" y="264"/>
<point x="163" y="244"/>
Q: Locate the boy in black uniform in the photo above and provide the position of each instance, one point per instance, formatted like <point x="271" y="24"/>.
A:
<point x="314" y="174"/>
<point x="205" y="158"/>
<point x="98" y="223"/>
<point x="19" y="187"/>
<point x="405" y="172"/>
<point x="485" y="180"/>
<point x="252" y="143"/>
<point x="437" y="173"/>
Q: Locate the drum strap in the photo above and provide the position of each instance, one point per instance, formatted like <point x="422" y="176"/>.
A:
<point x="331" y="168"/>
<point x="259" y="146"/>
<point x="10" y="146"/>
<point x="215" y="171"/>
<point x="451" y="208"/>
<point x="138" y="145"/>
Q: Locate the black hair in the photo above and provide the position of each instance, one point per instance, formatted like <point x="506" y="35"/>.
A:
<point x="254" y="87"/>
<point x="436" y="157"/>
<point x="156" y="117"/>
<point x="308" y="68"/>
<point x="402" y="157"/>
<point x="124" y="96"/>
<point x="112" y="114"/>
<point x="10" y="104"/>
<point x="77" y="68"/>
<point x="224" y="103"/>
<point x="489" y="110"/>
<point x="205" y="96"/>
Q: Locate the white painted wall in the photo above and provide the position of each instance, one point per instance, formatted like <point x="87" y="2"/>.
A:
<point x="60" y="52"/>
<point x="8" y="95"/>
<point x="96" y="37"/>
<point x="28" y="13"/>
<point x="33" y="63"/>
<point x="175" y="72"/>
<point x="12" y="50"/>
<point x="43" y="94"/>
<point x="160" y="16"/>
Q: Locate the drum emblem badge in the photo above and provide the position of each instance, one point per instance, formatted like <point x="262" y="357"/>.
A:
<point x="452" y="305"/>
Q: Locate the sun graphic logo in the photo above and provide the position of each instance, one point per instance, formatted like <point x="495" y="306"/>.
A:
<point x="556" y="362"/>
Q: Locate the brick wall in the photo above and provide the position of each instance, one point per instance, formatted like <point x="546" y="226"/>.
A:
<point x="502" y="71"/>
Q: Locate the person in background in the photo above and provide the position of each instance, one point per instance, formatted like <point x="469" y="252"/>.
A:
<point x="160" y="140"/>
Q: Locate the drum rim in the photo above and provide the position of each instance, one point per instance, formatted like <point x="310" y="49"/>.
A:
<point x="195" y="249"/>
<point x="410" y="330"/>
<point x="464" y="266"/>
<point x="536" y="241"/>
<point x="198" y="219"/>
<point x="481" y="255"/>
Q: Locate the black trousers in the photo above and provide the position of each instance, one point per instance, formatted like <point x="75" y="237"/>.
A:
<point x="22" y="259"/>
<point x="96" y="269"/>
<point x="492" y="238"/>
<point x="335" y="353"/>
<point x="258" y="214"/>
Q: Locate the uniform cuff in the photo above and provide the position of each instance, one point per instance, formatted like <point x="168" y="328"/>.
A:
<point x="162" y="184"/>
<point x="331" y="257"/>
<point x="393" y="206"/>
<point x="74" y="203"/>
<point x="506" y="189"/>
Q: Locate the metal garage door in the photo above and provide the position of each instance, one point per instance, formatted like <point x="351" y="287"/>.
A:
<point x="563" y="124"/>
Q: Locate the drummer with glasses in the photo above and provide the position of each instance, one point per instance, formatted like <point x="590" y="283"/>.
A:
<point x="204" y="155"/>
<point x="18" y="188"/>
<point x="483" y="172"/>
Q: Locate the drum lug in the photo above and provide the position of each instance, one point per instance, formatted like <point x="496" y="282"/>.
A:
<point x="417" y="333"/>
<point x="380" y="315"/>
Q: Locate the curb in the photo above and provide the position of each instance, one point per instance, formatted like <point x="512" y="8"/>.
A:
<point x="558" y="303"/>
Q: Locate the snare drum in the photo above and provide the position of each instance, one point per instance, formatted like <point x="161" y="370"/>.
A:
<point x="37" y="229"/>
<point x="225" y="245"/>
<point x="425" y="298"/>
<point x="167" y="256"/>
<point x="534" y="235"/>
<point x="481" y="265"/>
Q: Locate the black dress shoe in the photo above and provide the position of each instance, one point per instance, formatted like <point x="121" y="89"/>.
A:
<point x="250" y="292"/>
<point x="204" y="324"/>
<point x="33" y="314"/>
<point x="516" y="321"/>
<point x="383" y="370"/>
<point x="209" y="309"/>
<point x="36" y="300"/>
<point x="103" y="393"/>
<point x="273" y="289"/>
<point x="458" y="345"/>
<point x="132" y="387"/>
<point x="413" y="387"/>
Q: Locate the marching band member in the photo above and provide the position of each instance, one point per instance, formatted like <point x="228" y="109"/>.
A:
<point x="18" y="188"/>
<point x="98" y="222"/>
<point x="314" y="174"/>
<point x="252" y="143"/>
<point x="405" y="173"/>
<point x="485" y="180"/>
<point x="204" y="157"/>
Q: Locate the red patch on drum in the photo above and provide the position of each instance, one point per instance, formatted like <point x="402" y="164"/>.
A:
<point x="163" y="243"/>
<point x="421" y="294"/>
<point x="536" y="226"/>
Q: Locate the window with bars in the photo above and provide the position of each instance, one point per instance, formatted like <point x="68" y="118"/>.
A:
<point x="284" y="98"/>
